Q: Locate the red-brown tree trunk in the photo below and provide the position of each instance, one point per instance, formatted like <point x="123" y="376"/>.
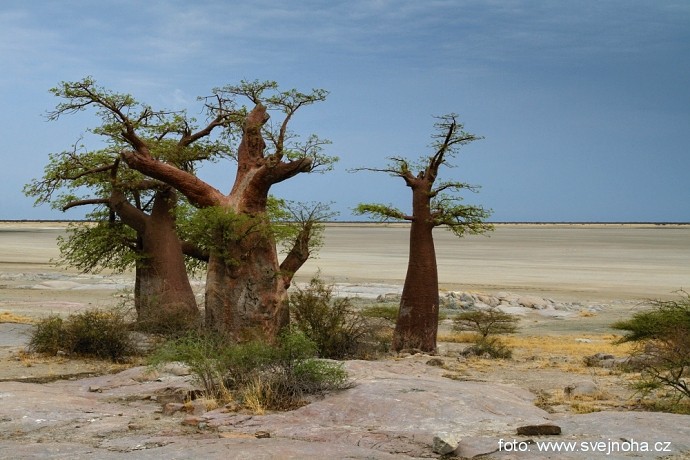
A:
<point x="417" y="322"/>
<point x="245" y="292"/>
<point x="164" y="299"/>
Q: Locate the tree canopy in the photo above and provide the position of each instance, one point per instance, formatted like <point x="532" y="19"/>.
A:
<point x="445" y="204"/>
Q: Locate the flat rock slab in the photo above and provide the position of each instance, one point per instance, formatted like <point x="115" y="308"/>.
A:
<point x="395" y="410"/>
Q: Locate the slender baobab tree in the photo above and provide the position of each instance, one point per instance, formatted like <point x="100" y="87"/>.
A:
<point x="434" y="203"/>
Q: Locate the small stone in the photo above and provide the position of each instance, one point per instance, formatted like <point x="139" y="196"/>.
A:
<point x="95" y="389"/>
<point x="192" y="420"/>
<point x="547" y="429"/>
<point x="581" y="388"/>
<point x="171" y="408"/>
<point x="177" y="369"/>
<point x="445" y="443"/>
<point x="262" y="434"/>
<point x="232" y="406"/>
<point x="436" y="362"/>
<point x="199" y="407"/>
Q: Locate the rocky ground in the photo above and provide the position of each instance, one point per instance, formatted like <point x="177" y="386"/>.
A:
<point x="403" y="406"/>
<point x="565" y="293"/>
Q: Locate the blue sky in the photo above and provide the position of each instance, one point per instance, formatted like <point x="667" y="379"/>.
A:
<point x="584" y="106"/>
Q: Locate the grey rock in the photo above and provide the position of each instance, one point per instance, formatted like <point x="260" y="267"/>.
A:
<point x="176" y="368"/>
<point x="583" y="388"/>
<point x="534" y="302"/>
<point x="445" y="443"/>
<point x="172" y="408"/>
<point x="546" y="429"/>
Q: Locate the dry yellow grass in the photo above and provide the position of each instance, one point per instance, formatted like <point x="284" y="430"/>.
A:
<point x="566" y="345"/>
<point x="7" y="317"/>
<point x="457" y="337"/>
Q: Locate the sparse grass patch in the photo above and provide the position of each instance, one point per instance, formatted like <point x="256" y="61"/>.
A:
<point x="586" y="314"/>
<point x="457" y="337"/>
<point x="385" y="311"/>
<point x="578" y="404"/>
<point x="8" y="317"/>
<point x="565" y="345"/>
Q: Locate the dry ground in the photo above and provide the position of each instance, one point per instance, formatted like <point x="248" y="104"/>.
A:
<point x="610" y="268"/>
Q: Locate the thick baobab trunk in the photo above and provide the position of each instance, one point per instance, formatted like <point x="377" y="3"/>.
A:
<point x="164" y="299"/>
<point x="245" y="292"/>
<point x="417" y="322"/>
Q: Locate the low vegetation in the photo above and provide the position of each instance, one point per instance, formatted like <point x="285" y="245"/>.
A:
<point x="96" y="333"/>
<point x="337" y="328"/>
<point x="255" y="374"/>
<point x="661" y="345"/>
<point x="486" y="324"/>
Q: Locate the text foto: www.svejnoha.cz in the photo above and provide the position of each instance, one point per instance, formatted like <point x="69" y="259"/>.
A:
<point x="602" y="447"/>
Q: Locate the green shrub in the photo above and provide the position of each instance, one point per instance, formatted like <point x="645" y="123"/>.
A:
<point x="491" y="347"/>
<point x="47" y="336"/>
<point x="389" y="312"/>
<point x="485" y="322"/>
<point x="98" y="333"/>
<point x="203" y="353"/>
<point x="334" y="325"/>
<point x="662" y="345"/>
<point x="262" y="377"/>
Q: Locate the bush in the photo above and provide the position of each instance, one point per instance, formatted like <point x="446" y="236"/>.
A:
<point x="97" y="333"/>
<point x="334" y="325"/>
<point x="485" y="324"/>
<point x="491" y="347"/>
<point x="203" y="353"/>
<point x="662" y="339"/>
<point x="262" y="377"/>
<point x="48" y="336"/>
<point x="388" y="312"/>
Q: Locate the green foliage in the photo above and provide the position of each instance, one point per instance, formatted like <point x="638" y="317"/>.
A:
<point x="296" y="223"/>
<point x="261" y="376"/>
<point x="93" y="247"/>
<point x="445" y="204"/>
<point x="98" y="333"/>
<point x="203" y="353"/>
<point x="281" y="143"/>
<point x="338" y="330"/>
<point x="486" y="322"/>
<point x="492" y="347"/>
<point x="48" y="336"/>
<point x="662" y="339"/>
<point x="388" y="312"/>
<point x="217" y="229"/>
<point x="380" y="212"/>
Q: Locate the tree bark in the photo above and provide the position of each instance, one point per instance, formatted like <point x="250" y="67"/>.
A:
<point x="163" y="299"/>
<point x="245" y="292"/>
<point x="417" y="322"/>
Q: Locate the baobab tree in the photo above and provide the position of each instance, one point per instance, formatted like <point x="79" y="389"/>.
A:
<point x="434" y="203"/>
<point x="132" y="224"/>
<point x="246" y="288"/>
